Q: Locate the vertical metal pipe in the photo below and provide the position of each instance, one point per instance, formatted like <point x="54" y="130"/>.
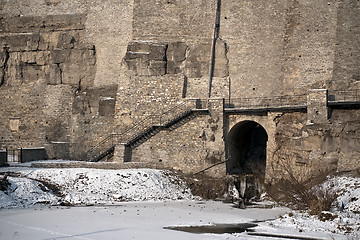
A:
<point x="215" y="36"/>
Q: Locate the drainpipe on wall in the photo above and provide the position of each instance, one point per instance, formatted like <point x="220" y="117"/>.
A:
<point x="215" y="36"/>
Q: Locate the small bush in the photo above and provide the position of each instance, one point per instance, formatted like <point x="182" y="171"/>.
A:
<point x="4" y="183"/>
<point x="207" y="187"/>
<point x="302" y="195"/>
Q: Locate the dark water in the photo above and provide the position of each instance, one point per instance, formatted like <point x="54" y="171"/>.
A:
<point x="218" y="228"/>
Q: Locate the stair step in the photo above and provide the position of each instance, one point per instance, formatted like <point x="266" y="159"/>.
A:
<point x="145" y="134"/>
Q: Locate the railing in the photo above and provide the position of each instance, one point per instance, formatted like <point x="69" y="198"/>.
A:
<point x="11" y="155"/>
<point x="144" y="125"/>
<point x="267" y="102"/>
<point x="153" y="120"/>
<point x="344" y="96"/>
<point x="292" y="101"/>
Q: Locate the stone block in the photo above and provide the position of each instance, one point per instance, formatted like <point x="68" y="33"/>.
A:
<point x="157" y="52"/>
<point x="65" y="40"/>
<point x="60" y="55"/>
<point x="119" y="153"/>
<point x="139" y="47"/>
<point x="21" y="42"/>
<point x="38" y="57"/>
<point x="82" y="56"/>
<point x="157" y="67"/>
<point x="136" y="55"/>
<point x="14" y="124"/>
<point x="107" y="106"/>
<point x="173" y="67"/>
<point x="176" y="52"/>
<point x="64" y="22"/>
<point x="197" y="61"/>
<point x="140" y="67"/>
<point x="32" y="72"/>
<point x="146" y="58"/>
<point x="79" y="70"/>
<point x="317" y="106"/>
<point x="54" y="75"/>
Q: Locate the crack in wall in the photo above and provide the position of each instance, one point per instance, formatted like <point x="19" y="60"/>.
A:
<point x="4" y="67"/>
<point x="165" y="59"/>
<point x="60" y="73"/>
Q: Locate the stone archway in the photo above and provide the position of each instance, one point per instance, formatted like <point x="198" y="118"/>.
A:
<point x="247" y="142"/>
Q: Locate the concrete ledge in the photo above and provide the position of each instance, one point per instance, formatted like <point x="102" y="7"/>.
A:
<point x="97" y="165"/>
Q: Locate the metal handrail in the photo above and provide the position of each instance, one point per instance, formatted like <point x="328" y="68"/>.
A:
<point x="137" y="129"/>
<point x="274" y="101"/>
<point x="344" y="95"/>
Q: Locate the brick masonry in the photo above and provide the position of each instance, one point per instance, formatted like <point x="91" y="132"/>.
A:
<point x="73" y="72"/>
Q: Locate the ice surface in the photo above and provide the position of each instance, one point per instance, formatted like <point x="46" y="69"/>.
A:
<point x="116" y="215"/>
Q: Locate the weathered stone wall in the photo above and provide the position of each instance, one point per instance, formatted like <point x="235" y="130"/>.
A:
<point x="32" y="116"/>
<point x="52" y="43"/>
<point x="189" y="61"/>
<point x="311" y="148"/>
<point x="278" y="47"/>
<point x="108" y="26"/>
<point x="174" y="20"/>
<point x="92" y="118"/>
<point x="47" y="69"/>
<point x="347" y="47"/>
<point x="191" y="147"/>
<point x="47" y="50"/>
<point x="72" y="72"/>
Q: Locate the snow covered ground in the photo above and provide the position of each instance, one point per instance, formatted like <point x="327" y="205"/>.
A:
<point x="78" y="186"/>
<point x="139" y="203"/>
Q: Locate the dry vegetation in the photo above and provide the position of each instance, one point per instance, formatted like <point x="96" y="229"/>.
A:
<point x="297" y="192"/>
<point x="207" y="187"/>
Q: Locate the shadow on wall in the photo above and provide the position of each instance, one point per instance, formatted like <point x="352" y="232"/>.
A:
<point x="33" y="154"/>
<point x="3" y="158"/>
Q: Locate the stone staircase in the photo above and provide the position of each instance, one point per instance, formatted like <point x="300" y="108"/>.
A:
<point x="144" y="130"/>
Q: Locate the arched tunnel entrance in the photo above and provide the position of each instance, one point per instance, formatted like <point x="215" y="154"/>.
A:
<point x="247" y="149"/>
<point x="246" y="144"/>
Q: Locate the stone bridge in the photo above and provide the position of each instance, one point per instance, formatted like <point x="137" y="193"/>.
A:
<point x="245" y="128"/>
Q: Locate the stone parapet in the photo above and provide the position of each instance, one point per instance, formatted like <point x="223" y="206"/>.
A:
<point x="317" y="106"/>
<point x="98" y="165"/>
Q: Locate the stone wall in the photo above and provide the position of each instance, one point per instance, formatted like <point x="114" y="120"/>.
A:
<point x="311" y="148"/>
<point x="347" y="47"/>
<point x="190" y="147"/>
<point x="32" y="118"/>
<point x="48" y="72"/>
<point x="92" y="118"/>
<point x="174" y="20"/>
<point x="278" y="47"/>
<point x="73" y="72"/>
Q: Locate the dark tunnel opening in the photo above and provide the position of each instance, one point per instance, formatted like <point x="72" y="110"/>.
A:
<point x="247" y="142"/>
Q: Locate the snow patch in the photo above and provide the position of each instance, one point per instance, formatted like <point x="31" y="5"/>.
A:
<point x="92" y="186"/>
